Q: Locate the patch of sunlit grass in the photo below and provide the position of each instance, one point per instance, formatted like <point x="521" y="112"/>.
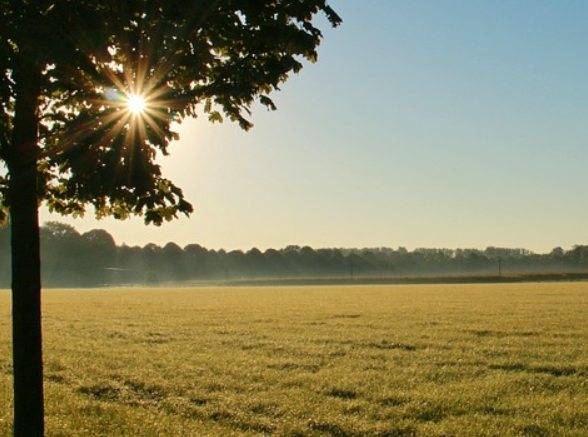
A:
<point x="453" y="360"/>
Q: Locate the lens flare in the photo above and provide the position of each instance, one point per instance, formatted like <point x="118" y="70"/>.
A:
<point x="136" y="104"/>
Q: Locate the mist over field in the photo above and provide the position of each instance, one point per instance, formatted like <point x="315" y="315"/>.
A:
<point x="93" y="259"/>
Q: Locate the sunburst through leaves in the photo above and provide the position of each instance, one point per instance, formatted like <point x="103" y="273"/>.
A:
<point x="136" y="104"/>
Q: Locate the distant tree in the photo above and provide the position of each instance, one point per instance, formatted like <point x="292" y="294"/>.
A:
<point x="152" y="257"/>
<point x="557" y="252"/>
<point x="256" y="263"/>
<point x="275" y="264"/>
<point x="578" y="255"/>
<point x="62" y="253"/>
<point x="312" y="263"/>
<point x="172" y="259"/>
<point x="100" y="256"/>
<point x="129" y="265"/>
<point x="68" y="136"/>
<point x="218" y="264"/>
<point x="291" y="258"/>
<point x="196" y="258"/>
<point x="54" y="230"/>
<point x="100" y="239"/>
<point x="236" y="264"/>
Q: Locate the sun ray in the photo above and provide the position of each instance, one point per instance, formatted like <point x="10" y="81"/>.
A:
<point x="136" y="104"/>
<point x="130" y="101"/>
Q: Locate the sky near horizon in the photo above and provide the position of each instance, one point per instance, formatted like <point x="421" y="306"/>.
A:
<point x="457" y="124"/>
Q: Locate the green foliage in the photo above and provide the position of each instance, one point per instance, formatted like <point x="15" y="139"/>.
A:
<point x="80" y="61"/>
<point x="468" y="361"/>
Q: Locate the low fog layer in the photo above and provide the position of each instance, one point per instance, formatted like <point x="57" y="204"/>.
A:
<point x="93" y="259"/>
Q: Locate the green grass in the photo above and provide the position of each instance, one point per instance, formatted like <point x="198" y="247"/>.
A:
<point x="394" y="360"/>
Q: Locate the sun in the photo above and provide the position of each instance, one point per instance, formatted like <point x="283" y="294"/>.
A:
<point x="136" y="104"/>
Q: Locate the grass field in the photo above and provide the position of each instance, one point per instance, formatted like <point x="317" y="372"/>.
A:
<point x="404" y="360"/>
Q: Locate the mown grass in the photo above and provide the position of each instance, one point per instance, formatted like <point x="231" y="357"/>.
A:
<point x="414" y="360"/>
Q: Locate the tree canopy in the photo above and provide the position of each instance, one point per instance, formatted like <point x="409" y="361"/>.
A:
<point x="82" y="61"/>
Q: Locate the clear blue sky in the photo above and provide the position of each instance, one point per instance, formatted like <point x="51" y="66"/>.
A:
<point x="425" y="123"/>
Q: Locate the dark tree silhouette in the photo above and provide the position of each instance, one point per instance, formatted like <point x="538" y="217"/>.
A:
<point x="69" y="138"/>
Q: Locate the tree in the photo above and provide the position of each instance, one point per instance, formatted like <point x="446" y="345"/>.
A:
<point x="70" y="138"/>
<point x="196" y="259"/>
<point x="172" y="257"/>
<point x="62" y="256"/>
<point x="100" y="256"/>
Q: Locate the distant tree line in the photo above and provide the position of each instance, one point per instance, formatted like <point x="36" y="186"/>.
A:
<point x="93" y="258"/>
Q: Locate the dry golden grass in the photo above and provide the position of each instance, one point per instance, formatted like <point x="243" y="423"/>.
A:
<point x="415" y="360"/>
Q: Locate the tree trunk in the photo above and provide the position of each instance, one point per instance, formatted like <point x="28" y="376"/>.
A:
<point x="26" y="264"/>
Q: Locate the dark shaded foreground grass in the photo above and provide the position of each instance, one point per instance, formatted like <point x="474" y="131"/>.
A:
<point x="418" y="360"/>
